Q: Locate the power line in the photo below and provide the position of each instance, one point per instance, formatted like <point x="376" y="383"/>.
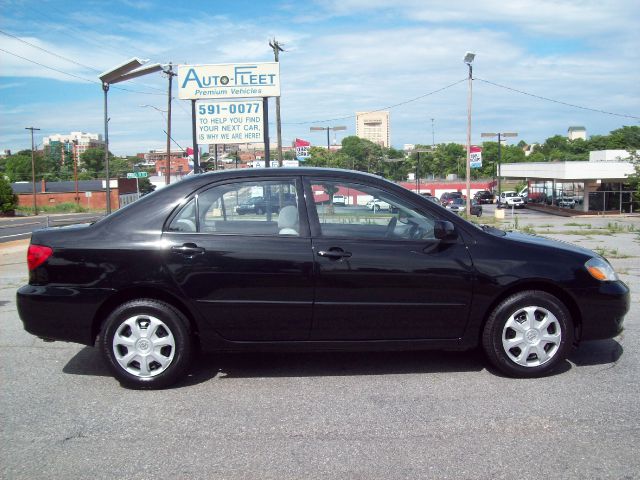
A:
<point x="49" y="52"/>
<point x="76" y="76"/>
<point x="383" y="108"/>
<point x="65" y="58"/>
<point x="558" y="101"/>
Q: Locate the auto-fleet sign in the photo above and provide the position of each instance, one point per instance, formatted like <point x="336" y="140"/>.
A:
<point x="229" y="80"/>
<point x="235" y="121"/>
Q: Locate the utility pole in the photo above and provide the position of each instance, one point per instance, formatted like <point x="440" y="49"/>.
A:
<point x="501" y="136"/>
<point x="433" y="135"/>
<point x="277" y="48"/>
<point x="170" y="74"/>
<point x="33" y="170"/>
<point x="468" y="59"/>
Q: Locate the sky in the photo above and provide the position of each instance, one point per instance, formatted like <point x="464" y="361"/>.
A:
<point x="341" y="56"/>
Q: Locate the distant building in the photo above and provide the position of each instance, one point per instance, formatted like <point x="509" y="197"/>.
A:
<point x="5" y="153"/>
<point x="69" y="147"/>
<point x="179" y="166"/>
<point x="152" y="156"/>
<point x="528" y="149"/>
<point x="374" y="126"/>
<point x="573" y="133"/>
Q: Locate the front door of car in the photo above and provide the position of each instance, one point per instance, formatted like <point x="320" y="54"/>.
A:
<point x="251" y="275"/>
<point x="380" y="273"/>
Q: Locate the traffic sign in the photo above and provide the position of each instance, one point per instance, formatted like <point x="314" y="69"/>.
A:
<point x="137" y="175"/>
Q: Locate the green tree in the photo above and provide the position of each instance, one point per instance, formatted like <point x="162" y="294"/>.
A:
<point x="8" y="199"/>
<point x="145" y="186"/>
<point x="92" y="162"/>
<point x="18" y="166"/>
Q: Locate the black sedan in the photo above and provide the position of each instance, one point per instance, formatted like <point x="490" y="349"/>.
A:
<point x="180" y="270"/>
<point x="484" y="196"/>
<point x="459" y="205"/>
<point x="257" y="205"/>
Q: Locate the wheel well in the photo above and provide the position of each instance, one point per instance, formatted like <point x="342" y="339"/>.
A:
<point x="551" y="289"/>
<point x="140" y="292"/>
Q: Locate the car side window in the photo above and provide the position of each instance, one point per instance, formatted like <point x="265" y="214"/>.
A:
<point x="244" y="208"/>
<point x="185" y="221"/>
<point x="362" y="211"/>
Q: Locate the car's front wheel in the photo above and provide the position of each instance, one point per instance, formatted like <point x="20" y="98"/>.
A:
<point x="146" y="343"/>
<point x="528" y="334"/>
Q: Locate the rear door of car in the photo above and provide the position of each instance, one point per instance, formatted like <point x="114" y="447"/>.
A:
<point x="251" y="275"/>
<point x="383" y="275"/>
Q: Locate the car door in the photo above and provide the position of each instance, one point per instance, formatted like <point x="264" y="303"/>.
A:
<point x="251" y="275"/>
<point x="383" y="275"/>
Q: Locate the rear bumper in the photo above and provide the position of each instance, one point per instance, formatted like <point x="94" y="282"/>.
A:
<point x="603" y="310"/>
<point x="60" y="313"/>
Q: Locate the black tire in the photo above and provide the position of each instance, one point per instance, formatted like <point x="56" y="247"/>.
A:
<point x="259" y="211"/>
<point x="534" y="308"/>
<point x="376" y="208"/>
<point x="479" y="214"/>
<point x="160" y="361"/>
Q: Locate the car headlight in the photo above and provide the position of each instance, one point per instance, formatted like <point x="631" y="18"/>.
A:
<point x="601" y="270"/>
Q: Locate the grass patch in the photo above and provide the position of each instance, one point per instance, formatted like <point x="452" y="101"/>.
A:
<point x="576" y="224"/>
<point x="610" y="252"/>
<point x="59" y="208"/>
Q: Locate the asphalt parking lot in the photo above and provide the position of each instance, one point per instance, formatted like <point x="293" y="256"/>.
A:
<point x="329" y="415"/>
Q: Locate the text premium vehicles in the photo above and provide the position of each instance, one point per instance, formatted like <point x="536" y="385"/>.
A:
<point x="181" y="269"/>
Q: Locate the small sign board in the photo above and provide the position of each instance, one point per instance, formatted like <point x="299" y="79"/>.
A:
<point x="137" y="175"/>
<point x="239" y="80"/>
<point x="475" y="157"/>
<point x="235" y="121"/>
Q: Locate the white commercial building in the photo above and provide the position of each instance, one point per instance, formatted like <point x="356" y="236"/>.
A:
<point x="597" y="185"/>
<point x="76" y="142"/>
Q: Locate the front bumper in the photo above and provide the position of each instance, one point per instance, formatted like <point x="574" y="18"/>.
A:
<point x="603" y="310"/>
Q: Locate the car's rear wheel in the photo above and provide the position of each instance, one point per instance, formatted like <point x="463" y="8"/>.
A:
<point x="528" y="334"/>
<point x="146" y="343"/>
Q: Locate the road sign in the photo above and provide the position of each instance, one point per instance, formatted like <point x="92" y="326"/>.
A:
<point x="236" y="121"/>
<point x="229" y="80"/>
<point x="137" y="175"/>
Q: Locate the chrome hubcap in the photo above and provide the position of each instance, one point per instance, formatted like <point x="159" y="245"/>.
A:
<point x="531" y="336"/>
<point x="144" y="346"/>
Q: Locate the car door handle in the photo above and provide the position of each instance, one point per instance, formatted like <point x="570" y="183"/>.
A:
<point x="188" y="249"/>
<point x="334" y="254"/>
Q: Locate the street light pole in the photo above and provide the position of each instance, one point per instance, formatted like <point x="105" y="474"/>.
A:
<point x="105" y="89"/>
<point x="125" y="71"/>
<point x="468" y="59"/>
<point x="501" y="136"/>
<point x="33" y="171"/>
<point x="314" y="129"/>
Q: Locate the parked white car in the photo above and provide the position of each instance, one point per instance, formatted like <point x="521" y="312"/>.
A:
<point x="376" y="205"/>
<point x="510" y="199"/>
<point x="566" y="202"/>
<point x="339" y="200"/>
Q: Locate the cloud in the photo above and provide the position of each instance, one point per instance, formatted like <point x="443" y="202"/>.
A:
<point x="350" y="55"/>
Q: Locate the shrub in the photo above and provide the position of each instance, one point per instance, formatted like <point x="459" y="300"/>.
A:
<point x="8" y="199"/>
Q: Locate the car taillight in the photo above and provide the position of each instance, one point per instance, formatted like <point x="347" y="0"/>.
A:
<point x="37" y="255"/>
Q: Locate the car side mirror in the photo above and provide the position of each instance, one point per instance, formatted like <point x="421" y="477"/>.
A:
<point x="444" y="230"/>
